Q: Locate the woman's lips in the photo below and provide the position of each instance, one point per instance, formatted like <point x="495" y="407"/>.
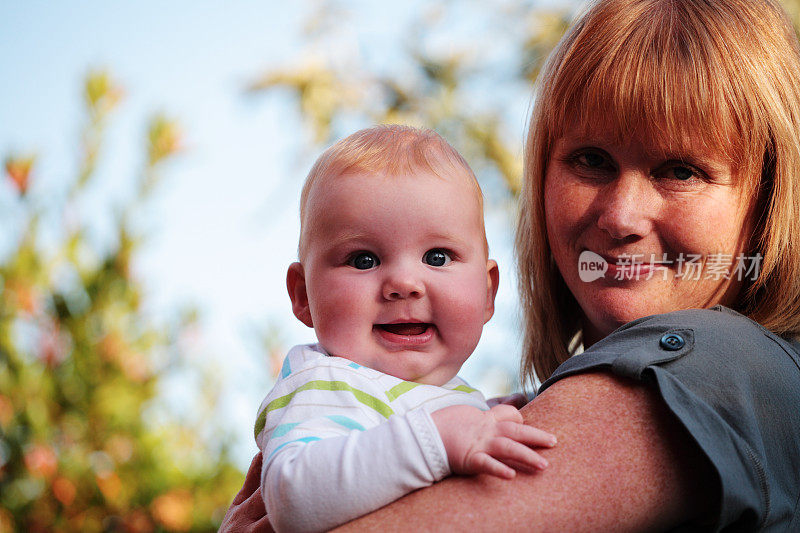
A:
<point x="406" y="334"/>
<point x="634" y="272"/>
<point x="634" y="267"/>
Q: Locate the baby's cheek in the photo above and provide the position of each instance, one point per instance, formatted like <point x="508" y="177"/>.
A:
<point x="347" y="297"/>
<point x="336" y="314"/>
<point x="462" y="312"/>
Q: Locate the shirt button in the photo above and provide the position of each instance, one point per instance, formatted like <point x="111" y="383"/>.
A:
<point x="672" y="342"/>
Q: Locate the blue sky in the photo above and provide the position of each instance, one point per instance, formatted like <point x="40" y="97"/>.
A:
<point x="222" y="227"/>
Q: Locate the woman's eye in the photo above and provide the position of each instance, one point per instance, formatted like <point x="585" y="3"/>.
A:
<point x="436" y="257"/>
<point x="682" y="173"/>
<point x="364" y="261"/>
<point x="591" y="160"/>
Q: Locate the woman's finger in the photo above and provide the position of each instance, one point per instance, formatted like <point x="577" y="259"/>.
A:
<point x="253" y="507"/>
<point x="263" y="526"/>
<point x="252" y="480"/>
<point x="248" y="515"/>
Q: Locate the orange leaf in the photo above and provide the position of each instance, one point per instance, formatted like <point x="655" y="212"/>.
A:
<point x="19" y="170"/>
<point x="174" y="510"/>
<point x="41" y="461"/>
<point x="64" y="491"/>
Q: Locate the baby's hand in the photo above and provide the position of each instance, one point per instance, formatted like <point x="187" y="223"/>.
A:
<point x="480" y="442"/>
<point x="517" y="399"/>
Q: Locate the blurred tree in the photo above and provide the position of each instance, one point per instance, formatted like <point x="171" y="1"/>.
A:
<point x="80" y="365"/>
<point x="793" y="8"/>
<point x="446" y="80"/>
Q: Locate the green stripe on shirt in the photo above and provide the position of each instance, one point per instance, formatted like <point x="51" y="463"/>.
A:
<point x="367" y="399"/>
<point x="400" y="389"/>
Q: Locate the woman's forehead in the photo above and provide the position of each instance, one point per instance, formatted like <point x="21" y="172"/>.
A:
<point x="652" y="135"/>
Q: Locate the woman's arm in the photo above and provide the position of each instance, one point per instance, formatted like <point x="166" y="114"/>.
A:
<point x="622" y="463"/>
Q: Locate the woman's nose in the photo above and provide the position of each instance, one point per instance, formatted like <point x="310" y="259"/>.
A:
<point x="626" y="206"/>
<point x="402" y="283"/>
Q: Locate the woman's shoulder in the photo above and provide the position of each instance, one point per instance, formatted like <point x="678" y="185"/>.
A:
<point x="705" y="341"/>
<point x="734" y="386"/>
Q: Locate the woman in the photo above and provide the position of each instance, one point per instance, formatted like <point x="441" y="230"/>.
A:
<point x="663" y="157"/>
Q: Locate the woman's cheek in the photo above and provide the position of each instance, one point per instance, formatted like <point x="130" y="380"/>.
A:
<point x="567" y="207"/>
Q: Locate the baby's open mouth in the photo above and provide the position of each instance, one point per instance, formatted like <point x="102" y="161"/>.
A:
<point x="414" y="328"/>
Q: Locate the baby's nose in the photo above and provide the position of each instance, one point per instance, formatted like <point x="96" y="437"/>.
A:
<point x="400" y="285"/>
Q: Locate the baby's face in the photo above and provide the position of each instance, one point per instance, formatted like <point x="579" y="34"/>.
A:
<point x="395" y="275"/>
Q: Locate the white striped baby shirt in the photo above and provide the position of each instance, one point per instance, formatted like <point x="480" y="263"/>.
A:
<point x="340" y="440"/>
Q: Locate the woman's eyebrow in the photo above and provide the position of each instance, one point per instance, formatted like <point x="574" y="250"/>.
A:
<point x="603" y="141"/>
<point x="702" y="161"/>
<point x="577" y="138"/>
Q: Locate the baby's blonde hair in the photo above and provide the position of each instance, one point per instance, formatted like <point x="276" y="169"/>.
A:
<point x="389" y="150"/>
<point x="725" y="73"/>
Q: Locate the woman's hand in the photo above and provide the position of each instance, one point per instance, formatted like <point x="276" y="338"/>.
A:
<point x="247" y="512"/>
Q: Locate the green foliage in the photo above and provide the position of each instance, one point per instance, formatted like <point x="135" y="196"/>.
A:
<point x="80" y="364"/>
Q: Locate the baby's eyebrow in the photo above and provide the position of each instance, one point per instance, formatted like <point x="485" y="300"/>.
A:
<point x="344" y="237"/>
<point x="448" y="238"/>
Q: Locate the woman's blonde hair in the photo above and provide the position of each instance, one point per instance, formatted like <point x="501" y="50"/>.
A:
<point x="724" y="72"/>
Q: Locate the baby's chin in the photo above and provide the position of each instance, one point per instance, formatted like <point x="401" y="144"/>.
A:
<point x="407" y="360"/>
<point x="427" y="376"/>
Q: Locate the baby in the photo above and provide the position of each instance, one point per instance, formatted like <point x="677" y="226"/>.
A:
<point x="395" y="279"/>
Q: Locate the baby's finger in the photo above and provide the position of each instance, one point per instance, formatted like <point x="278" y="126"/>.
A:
<point x="526" y="434"/>
<point x="506" y="413"/>
<point x="505" y="449"/>
<point x="483" y="463"/>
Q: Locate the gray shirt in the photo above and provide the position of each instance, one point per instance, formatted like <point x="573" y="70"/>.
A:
<point x="735" y="387"/>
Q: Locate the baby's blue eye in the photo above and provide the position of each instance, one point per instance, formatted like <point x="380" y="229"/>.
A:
<point x="436" y="257"/>
<point x="364" y="261"/>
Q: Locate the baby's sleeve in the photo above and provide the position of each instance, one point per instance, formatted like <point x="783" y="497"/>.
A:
<point x="334" y="450"/>
<point x="735" y="387"/>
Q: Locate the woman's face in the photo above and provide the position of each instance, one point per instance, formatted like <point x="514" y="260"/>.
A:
<point x="636" y="231"/>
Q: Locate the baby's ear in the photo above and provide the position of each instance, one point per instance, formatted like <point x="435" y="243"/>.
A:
<point x="492" y="282"/>
<point x="296" y="284"/>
